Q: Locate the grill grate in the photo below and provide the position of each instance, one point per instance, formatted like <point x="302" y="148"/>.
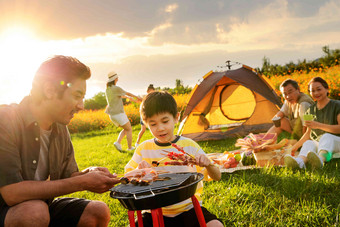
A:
<point x="176" y="179"/>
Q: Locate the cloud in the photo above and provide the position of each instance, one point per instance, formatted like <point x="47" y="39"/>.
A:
<point x="276" y="24"/>
<point x="171" y="8"/>
<point x="168" y="22"/>
<point x="330" y="11"/>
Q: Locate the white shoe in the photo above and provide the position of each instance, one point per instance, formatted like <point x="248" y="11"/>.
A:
<point x="314" y="160"/>
<point x="118" y="146"/>
<point x="131" y="149"/>
<point x="136" y="144"/>
<point x="291" y="162"/>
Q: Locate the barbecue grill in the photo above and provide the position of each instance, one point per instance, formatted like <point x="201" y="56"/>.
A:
<point x="179" y="187"/>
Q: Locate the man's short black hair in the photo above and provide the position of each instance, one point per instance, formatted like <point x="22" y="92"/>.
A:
<point x="61" y="71"/>
<point x="158" y="102"/>
<point x="289" y="81"/>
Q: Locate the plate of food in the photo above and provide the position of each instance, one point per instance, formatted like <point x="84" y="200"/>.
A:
<point x="231" y="161"/>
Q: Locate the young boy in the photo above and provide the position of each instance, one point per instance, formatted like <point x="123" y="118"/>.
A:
<point x="159" y="113"/>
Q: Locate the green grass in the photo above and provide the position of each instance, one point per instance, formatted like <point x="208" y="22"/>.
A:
<point x="270" y="196"/>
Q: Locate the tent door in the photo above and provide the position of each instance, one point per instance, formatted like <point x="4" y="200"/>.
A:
<point x="237" y="102"/>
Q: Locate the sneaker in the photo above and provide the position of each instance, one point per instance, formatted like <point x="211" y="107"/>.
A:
<point x="136" y="144"/>
<point x="131" y="149"/>
<point x="118" y="146"/>
<point x="314" y="160"/>
<point x="291" y="162"/>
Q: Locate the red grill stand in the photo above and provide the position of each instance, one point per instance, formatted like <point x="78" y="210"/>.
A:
<point x="157" y="215"/>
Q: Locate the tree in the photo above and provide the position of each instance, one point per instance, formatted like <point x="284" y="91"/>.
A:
<point x="98" y="101"/>
<point x="179" y="89"/>
<point x="265" y="66"/>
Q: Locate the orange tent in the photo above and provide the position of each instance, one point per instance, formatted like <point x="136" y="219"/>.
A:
<point x="229" y="104"/>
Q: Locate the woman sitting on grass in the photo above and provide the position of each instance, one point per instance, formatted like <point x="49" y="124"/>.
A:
<point x="321" y="139"/>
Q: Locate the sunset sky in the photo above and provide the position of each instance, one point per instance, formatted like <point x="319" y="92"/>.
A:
<point x="158" y="41"/>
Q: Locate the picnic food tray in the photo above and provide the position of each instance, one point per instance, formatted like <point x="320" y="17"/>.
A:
<point x="261" y="162"/>
<point x="231" y="170"/>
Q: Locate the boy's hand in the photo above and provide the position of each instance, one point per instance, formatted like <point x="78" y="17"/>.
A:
<point x="202" y="160"/>
<point x="213" y="171"/>
<point x="143" y="164"/>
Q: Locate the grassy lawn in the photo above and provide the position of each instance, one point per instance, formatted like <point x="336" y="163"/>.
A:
<point x="270" y="196"/>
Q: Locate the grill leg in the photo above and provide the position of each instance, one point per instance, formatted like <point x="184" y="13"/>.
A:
<point x="198" y="211"/>
<point x="139" y="218"/>
<point x="155" y="218"/>
<point x="131" y="215"/>
<point x="160" y="217"/>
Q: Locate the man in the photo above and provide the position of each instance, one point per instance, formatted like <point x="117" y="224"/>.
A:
<point x="293" y="109"/>
<point x="37" y="160"/>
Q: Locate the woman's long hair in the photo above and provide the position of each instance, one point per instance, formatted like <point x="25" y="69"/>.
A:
<point x="108" y="84"/>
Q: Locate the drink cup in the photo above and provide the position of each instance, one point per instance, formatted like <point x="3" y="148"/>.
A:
<point x="277" y="121"/>
<point x="308" y="117"/>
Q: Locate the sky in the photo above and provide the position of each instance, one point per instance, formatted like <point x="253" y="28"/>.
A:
<point x="158" y="41"/>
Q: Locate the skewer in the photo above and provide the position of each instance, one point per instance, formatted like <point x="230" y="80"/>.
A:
<point x="162" y="171"/>
<point x="175" y="146"/>
<point x="211" y="164"/>
<point x="156" y="163"/>
<point x="167" y="152"/>
<point x="141" y="182"/>
<point x="120" y="175"/>
<point x="191" y="156"/>
<point x="182" y="150"/>
<point x="124" y="180"/>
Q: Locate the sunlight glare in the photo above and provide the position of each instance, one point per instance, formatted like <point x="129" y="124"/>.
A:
<point x="20" y="56"/>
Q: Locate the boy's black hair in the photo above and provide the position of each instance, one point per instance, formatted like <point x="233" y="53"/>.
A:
<point x="158" y="102"/>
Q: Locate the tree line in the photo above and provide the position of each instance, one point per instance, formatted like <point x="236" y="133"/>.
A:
<point x="98" y="101"/>
<point x="330" y="58"/>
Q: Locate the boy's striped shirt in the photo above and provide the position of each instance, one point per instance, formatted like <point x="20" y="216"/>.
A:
<point x="150" y="151"/>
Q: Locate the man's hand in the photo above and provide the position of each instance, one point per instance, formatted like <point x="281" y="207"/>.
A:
<point x="90" y="169"/>
<point x="98" y="181"/>
<point x="94" y="179"/>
